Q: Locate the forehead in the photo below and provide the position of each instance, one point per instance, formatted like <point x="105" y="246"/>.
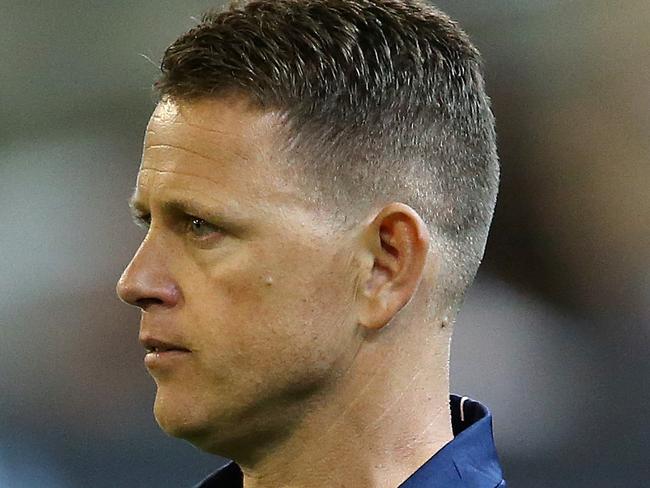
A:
<point x="229" y="125"/>
<point x="219" y="147"/>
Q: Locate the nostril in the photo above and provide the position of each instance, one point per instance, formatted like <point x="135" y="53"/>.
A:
<point x="145" y="303"/>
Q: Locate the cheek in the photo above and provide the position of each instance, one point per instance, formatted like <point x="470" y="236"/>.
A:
<point x="277" y="315"/>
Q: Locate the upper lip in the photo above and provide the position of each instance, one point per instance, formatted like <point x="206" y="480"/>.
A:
<point x="155" y="344"/>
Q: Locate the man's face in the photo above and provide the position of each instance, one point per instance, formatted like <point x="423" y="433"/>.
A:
<point x="239" y="271"/>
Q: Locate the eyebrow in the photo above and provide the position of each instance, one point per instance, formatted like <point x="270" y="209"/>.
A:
<point x="139" y="212"/>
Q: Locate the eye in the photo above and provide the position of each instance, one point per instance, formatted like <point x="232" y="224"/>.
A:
<point x="200" y="228"/>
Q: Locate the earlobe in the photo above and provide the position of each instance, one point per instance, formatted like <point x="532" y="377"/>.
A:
<point x="397" y="242"/>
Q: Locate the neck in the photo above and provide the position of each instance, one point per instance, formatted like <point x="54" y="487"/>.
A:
<point x="380" y="422"/>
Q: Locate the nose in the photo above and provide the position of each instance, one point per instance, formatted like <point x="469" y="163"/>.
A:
<point x="146" y="282"/>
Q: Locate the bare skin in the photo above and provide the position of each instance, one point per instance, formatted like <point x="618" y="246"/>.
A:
<point x="311" y="357"/>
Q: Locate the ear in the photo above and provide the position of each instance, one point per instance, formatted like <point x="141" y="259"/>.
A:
<point x="395" y="245"/>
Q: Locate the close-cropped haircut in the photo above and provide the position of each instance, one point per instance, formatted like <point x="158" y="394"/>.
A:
<point x="380" y="100"/>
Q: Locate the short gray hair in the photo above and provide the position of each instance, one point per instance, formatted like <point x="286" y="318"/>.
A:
<point x="383" y="101"/>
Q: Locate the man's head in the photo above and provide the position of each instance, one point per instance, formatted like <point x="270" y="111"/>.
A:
<point x="380" y="101"/>
<point x="311" y="168"/>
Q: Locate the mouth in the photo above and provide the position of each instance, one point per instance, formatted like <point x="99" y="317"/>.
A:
<point x="161" y="349"/>
<point x="162" y="354"/>
<point x="153" y="345"/>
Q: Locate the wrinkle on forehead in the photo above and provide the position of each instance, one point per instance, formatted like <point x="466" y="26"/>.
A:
<point x="193" y="152"/>
<point x="180" y="173"/>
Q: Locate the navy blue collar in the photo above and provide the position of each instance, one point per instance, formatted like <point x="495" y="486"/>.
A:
<point x="468" y="461"/>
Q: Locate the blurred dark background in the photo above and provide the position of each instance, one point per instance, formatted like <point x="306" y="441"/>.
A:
<point x="554" y="335"/>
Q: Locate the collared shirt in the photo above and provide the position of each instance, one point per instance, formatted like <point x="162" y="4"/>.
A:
<point x="469" y="460"/>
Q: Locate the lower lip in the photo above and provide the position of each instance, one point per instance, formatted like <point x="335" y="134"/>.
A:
<point x="164" y="358"/>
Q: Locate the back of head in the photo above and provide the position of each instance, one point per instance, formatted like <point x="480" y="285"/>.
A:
<point x="380" y="101"/>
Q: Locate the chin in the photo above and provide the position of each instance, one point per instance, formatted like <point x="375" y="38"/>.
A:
<point x="176" y="418"/>
<point x="186" y="420"/>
